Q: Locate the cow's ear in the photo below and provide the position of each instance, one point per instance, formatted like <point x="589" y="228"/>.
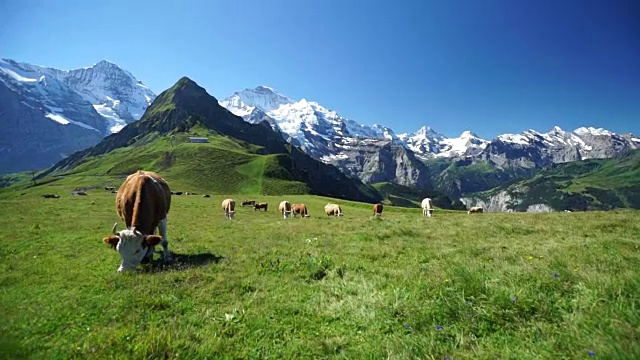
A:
<point x="153" y="240"/>
<point x="111" y="240"/>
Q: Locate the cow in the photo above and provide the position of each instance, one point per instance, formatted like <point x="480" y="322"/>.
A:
<point x="475" y="209"/>
<point x="206" y="195"/>
<point x="427" y="207"/>
<point x="50" y="196"/>
<point x="80" y="192"/>
<point x="285" y="209"/>
<point x="333" y="209"/>
<point x="229" y="207"/>
<point x="143" y="202"/>
<point x="109" y="188"/>
<point x="248" y="203"/>
<point x="300" y="209"/>
<point x="377" y="209"/>
<point x="259" y="206"/>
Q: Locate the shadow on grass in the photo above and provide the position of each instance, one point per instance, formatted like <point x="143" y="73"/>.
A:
<point x="183" y="262"/>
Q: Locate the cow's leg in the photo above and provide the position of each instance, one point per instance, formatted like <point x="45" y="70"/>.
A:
<point x="162" y="226"/>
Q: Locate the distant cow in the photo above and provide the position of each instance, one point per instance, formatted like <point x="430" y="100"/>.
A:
<point x="300" y="209"/>
<point x="377" y="209"/>
<point x="143" y="202"/>
<point x="259" y="206"/>
<point x="109" y="188"/>
<point x="285" y="208"/>
<point x="50" y="196"/>
<point x="114" y="191"/>
<point x="229" y="207"/>
<point x="475" y="209"/>
<point x="333" y="210"/>
<point x="427" y="207"/>
<point x="206" y="196"/>
<point x="248" y="203"/>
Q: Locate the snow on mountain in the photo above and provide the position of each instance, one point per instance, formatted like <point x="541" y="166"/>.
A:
<point x="592" y="131"/>
<point x="467" y="144"/>
<point x="115" y="93"/>
<point x="49" y="96"/>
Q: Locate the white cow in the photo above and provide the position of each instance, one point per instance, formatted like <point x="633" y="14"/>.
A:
<point x="427" y="207"/>
<point x="333" y="210"/>
<point x="229" y="208"/>
<point x="285" y="209"/>
<point x="475" y="209"/>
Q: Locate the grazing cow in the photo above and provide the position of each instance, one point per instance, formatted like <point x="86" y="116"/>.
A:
<point x="109" y="188"/>
<point x="377" y="209"/>
<point x="229" y="207"/>
<point x="50" y="196"/>
<point x="300" y="209"/>
<point x="427" y="207"/>
<point x="143" y="202"/>
<point x="79" y="192"/>
<point x="285" y="209"/>
<point x="248" y="203"/>
<point x="206" y="196"/>
<point x="114" y="191"/>
<point x="475" y="209"/>
<point x="333" y="210"/>
<point x="259" y="206"/>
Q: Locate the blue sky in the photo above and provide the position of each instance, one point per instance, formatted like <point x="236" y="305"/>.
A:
<point x="489" y="66"/>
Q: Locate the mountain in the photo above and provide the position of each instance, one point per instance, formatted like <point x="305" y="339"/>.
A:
<point x="239" y="158"/>
<point x="424" y="159"/>
<point x="594" y="184"/>
<point x="48" y="114"/>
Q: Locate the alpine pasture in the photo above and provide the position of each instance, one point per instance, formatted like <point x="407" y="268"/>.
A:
<point x="402" y="286"/>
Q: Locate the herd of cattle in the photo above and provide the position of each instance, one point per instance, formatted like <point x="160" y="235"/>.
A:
<point x="143" y="202"/>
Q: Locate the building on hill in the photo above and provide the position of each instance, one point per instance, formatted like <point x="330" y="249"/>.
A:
<point x="198" y="139"/>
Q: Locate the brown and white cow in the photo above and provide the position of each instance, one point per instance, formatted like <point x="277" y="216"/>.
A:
<point x="377" y="209"/>
<point x="285" y="209"/>
<point x="427" y="207"/>
<point x="333" y="209"/>
<point x="229" y="207"/>
<point x="259" y="206"/>
<point x="300" y="209"/>
<point x="248" y="203"/>
<point x="143" y="202"/>
<point x="475" y="209"/>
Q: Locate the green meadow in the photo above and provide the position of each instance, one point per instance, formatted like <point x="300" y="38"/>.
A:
<point x="457" y="286"/>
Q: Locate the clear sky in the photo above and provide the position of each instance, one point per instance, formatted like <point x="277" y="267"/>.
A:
<point x="489" y="66"/>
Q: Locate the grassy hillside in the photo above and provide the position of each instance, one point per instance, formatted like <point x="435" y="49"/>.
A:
<point x="509" y="286"/>
<point x="400" y="195"/>
<point x="581" y="185"/>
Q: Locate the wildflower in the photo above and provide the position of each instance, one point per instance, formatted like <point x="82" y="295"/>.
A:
<point x="446" y="280"/>
<point x="513" y="299"/>
<point x="406" y="326"/>
<point x="591" y="353"/>
<point x="556" y="275"/>
<point x="468" y="303"/>
<point x="447" y="358"/>
<point x="530" y="257"/>
<point x="439" y="328"/>
<point x="585" y="244"/>
<point x="468" y="316"/>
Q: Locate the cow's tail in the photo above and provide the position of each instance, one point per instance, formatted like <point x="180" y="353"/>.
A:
<point x="137" y="205"/>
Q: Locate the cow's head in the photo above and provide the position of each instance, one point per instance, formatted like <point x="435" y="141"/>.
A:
<point x="132" y="246"/>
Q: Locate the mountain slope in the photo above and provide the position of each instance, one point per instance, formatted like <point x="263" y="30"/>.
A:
<point x="253" y="152"/>
<point x="581" y="185"/>
<point x="47" y="114"/>
<point x="42" y="120"/>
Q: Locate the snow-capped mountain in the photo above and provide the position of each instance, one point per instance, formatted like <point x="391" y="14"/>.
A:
<point x="114" y="92"/>
<point x="535" y="149"/>
<point x="376" y="153"/>
<point x="46" y="113"/>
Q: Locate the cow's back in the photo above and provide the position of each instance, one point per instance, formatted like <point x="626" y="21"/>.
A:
<point x="143" y="200"/>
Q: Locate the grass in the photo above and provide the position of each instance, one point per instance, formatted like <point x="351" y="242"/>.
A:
<point x="485" y="286"/>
